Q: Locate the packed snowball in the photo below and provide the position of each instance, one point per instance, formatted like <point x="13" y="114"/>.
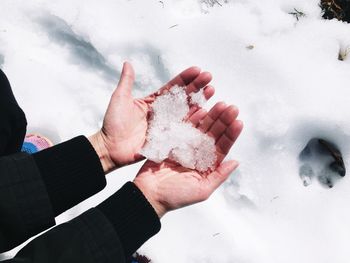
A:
<point x="169" y="136"/>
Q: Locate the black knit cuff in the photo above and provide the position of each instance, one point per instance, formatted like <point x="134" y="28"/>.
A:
<point x="133" y="217"/>
<point x="71" y="171"/>
<point x="99" y="236"/>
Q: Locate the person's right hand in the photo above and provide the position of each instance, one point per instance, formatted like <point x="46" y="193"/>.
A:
<point x="169" y="186"/>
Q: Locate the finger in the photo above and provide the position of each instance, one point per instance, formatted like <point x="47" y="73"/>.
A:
<point x="225" y="119"/>
<point x="126" y="80"/>
<point x="212" y="115"/>
<point x="228" y="138"/>
<point x="234" y="130"/>
<point x="199" y="82"/>
<point x="193" y="110"/>
<point x="209" y="92"/>
<point x="183" y="79"/>
<point x="196" y="117"/>
<point x="220" y="175"/>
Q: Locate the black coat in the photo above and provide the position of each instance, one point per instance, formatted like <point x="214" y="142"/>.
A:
<point x="111" y="232"/>
<point x="34" y="189"/>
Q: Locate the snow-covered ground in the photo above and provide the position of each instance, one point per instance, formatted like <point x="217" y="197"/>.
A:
<point x="64" y="58"/>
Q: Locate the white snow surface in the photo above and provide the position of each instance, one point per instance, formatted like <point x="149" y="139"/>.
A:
<point x="170" y="136"/>
<point x="63" y="59"/>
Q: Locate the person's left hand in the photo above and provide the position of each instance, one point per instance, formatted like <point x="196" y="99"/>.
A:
<point x="124" y="129"/>
<point x="168" y="185"/>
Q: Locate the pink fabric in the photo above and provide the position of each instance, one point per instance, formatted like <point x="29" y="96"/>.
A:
<point x="40" y="143"/>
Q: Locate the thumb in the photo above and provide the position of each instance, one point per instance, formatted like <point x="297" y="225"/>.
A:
<point x="127" y="79"/>
<point x="221" y="173"/>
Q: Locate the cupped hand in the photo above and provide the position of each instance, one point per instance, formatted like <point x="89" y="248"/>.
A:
<point x="170" y="186"/>
<point x="124" y="129"/>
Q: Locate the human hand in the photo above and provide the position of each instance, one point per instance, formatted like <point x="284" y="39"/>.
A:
<point x="124" y="129"/>
<point x="169" y="186"/>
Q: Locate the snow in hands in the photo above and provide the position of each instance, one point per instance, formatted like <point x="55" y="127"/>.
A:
<point x="169" y="136"/>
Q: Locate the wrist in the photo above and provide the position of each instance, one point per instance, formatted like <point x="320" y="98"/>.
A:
<point x="98" y="143"/>
<point x="151" y="197"/>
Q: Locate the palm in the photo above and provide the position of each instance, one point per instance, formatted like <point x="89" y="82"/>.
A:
<point x="172" y="186"/>
<point x="172" y="181"/>
<point x="125" y="124"/>
<point x="125" y="128"/>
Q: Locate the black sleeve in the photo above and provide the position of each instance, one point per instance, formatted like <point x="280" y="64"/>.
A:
<point x="108" y="233"/>
<point x="133" y="217"/>
<point x="36" y="188"/>
<point x="13" y="121"/>
<point x="71" y="171"/>
<point x="25" y="209"/>
<point x="89" y="238"/>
